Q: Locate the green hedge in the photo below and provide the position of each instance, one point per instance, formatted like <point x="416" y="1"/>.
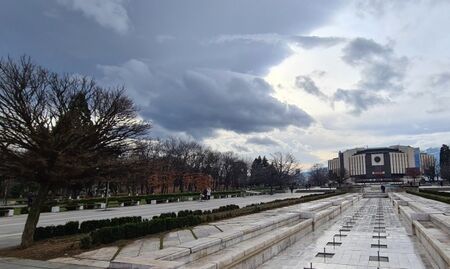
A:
<point x="111" y="234"/>
<point x="110" y="230"/>
<point x="225" y="208"/>
<point x="440" y="193"/>
<point x="90" y="203"/>
<point x="184" y="213"/>
<point x="59" y="230"/>
<point x="185" y="218"/>
<point x="73" y="227"/>
<point x="428" y="195"/>
<point x="91" y="225"/>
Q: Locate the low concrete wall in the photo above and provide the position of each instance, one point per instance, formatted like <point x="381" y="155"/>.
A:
<point x="438" y="251"/>
<point x="431" y="226"/>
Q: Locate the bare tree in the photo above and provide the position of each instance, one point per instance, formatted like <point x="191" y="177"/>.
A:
<point x="318" y="175"/>
<point x="55" y="129"/>
<point x="283" y="169"/>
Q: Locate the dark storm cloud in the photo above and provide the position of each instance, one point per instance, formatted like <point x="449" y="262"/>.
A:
<point x="309" y="86"/>
<point x="306" y="42"/>
<point x="96" y="38"/>
<point x="358" y="100"/>
<point x="74" y="36"/>
<point x="381" y="72"/>
<point x="203" y="100"/>
<point x="309" y="42"/>
<point x="263" y="141"/>
<point x="381" y="69"/>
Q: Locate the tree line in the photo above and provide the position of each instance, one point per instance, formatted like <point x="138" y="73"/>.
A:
<point x="66" y="135"/>
<point x="444" y="162"/>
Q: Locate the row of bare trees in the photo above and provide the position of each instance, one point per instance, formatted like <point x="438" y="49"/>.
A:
<point x="65" y="134"/>
<point x="177" y="157"/>
<point x="280" y="171"/>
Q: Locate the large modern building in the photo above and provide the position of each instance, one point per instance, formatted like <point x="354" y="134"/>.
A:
<point x="387" y="163"/>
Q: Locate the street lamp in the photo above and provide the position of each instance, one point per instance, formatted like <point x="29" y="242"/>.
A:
<point x="107" y="194"/>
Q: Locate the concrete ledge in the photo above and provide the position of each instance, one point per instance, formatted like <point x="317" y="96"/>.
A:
<point x="441" y="220"/>
<point x="142" y="263"/>
<point x="254" y="252"/>
<point x="246" y="242"/>
<point x="431" y="240"/>
<point x="410" y="215"/>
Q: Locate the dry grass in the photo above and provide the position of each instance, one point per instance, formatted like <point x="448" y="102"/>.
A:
<point x="46" y="249"/>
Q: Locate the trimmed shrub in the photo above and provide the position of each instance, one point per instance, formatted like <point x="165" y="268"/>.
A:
<point x="24" y="210"/>
<point x="69" y="228"/>
<point x="167" y="215"/>
<point x="91" y="225"/>
<point x="225" y="208"/>
<point x="71" y="207"/>
<point x="85" y="242"/>
<point x="110" y="230"/>
<point x="108" y="235"/>
<point x="428" y="195"/>
<point x="440" y="193"/>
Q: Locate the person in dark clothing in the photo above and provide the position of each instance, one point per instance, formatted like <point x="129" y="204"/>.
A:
<point x="383" y="189"/>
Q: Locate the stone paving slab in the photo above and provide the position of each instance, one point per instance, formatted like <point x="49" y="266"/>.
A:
<point x="180" y="246"/>
<point x="101" y="254"/>
<point x="82" y="261"/>
<point x="14" y="263"/>
<point x="138" y="247"/>
<point x="402" y="250"/>
<point x="176" y="238"/>
<point x="205" y="230"/>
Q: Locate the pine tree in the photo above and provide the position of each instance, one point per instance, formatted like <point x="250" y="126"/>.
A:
<point x="445" y="162"/>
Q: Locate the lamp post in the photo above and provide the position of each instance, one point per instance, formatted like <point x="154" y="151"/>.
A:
<point x="107" y="194"/>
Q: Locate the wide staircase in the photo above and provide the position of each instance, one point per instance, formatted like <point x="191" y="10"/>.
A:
<point x="374" y="191"/>
<point x="429" y="220"/>
<point x="246" y="241"/>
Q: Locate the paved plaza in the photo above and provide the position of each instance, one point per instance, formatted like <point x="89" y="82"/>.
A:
<point x="347" y="231"/>
<point x="223" y="242"/>
<point x="370" y="235"/>
<point x="11" y="227"/>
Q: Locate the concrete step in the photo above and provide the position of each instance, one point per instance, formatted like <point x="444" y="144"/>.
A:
<point x="375" y="195"/>
<point x="247" y="240"/>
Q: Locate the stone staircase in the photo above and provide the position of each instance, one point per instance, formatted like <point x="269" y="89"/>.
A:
<point x="375" y="195"/>
<point x="245" y="242"/>
<point x="429" y="220"/>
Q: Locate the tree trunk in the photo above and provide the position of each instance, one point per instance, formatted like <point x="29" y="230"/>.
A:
<point x="33" y="216"/>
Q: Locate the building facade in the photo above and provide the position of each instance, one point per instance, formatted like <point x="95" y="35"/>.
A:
<point x="387" y="163"/>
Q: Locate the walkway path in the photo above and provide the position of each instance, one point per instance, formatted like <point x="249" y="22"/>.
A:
<point x="372" y="237"/>
<point x="11" y="227"/>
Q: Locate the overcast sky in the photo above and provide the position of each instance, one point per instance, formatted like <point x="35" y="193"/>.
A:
<point x="256" y="76"/>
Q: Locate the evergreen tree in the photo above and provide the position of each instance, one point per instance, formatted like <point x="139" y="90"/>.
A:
<point x="444" y="162"/>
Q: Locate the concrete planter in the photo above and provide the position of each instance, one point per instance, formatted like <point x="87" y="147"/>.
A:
<point x="55" y="209"/>
<point x="7" y="213"/>
<point x="102" y="205"/>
